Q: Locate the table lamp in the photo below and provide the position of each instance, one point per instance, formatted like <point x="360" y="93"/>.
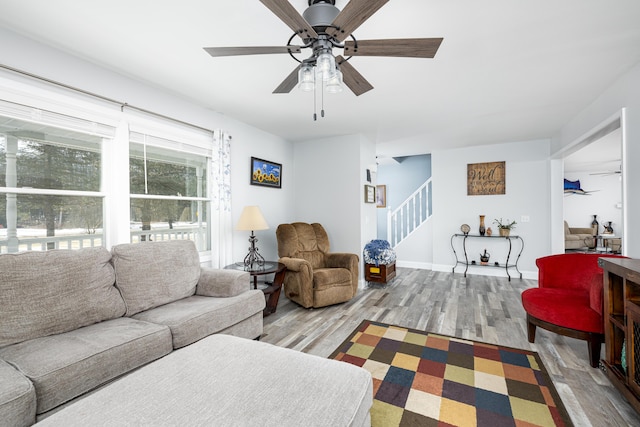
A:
<point x="251" y="219"/>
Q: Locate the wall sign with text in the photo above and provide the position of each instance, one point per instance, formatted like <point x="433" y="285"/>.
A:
<point x="486" y="178"/>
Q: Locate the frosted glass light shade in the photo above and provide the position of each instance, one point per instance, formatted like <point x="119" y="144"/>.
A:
<point x="326" y="65"/>
<point x="306" y="78"/>
<point x="251" y="219"/>
<point x="334" y="84"/>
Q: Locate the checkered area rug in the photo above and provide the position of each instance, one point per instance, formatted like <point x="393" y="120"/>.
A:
<point x="425" y="379"/>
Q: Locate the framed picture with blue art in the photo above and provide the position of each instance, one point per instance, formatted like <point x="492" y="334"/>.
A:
<point x="266" y="173"/>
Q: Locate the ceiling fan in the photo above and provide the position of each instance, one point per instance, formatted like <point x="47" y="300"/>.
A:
<point x="323" y="27"/>
<point x="609" y="173"/>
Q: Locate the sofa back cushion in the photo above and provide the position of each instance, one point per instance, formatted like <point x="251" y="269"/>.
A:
<point x="570" y="271"/>
<point x="150" y="274"/>
<point x="47" y="293"/>
<point x="302" y="240"/>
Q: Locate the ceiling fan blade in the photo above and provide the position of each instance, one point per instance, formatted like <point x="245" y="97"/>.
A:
<point x="352" y="78"/>
<point x="290" y="16"/>
<point x="410" y="48"/>
<point x="250" y="50"/>
<point x="352" y="16"/>
<point x="606" y="173"/>
<point x="289" y="83"/>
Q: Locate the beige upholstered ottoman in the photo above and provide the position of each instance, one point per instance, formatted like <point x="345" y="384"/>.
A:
<point x="229" y="381"/>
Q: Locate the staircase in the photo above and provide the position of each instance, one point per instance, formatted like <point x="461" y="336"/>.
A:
<point x="412" y="213"/>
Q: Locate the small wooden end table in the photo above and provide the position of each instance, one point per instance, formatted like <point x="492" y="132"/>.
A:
<point x="273" y="289"/>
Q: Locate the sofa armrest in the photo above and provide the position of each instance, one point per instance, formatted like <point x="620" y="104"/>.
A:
<point x="17" y="397"/>
<point x="348" y="261"/>
<point x="222" y="283"/>
<point x="298" y="280"/>
<point x="297" y="265"/>
<point x="343" y="260"/>
<point x="581" y="230"/>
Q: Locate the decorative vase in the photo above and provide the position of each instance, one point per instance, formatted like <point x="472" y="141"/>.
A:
<point x="489" y="231"/>
<point x="607" y="228"/>
<point x="484" y="258"/>
<point x="504" y="232"/>
<point x="595" y="225"/>
<point x="482" y="230"/>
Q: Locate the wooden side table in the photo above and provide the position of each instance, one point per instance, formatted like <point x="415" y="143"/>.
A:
<point x="273" y="289"/>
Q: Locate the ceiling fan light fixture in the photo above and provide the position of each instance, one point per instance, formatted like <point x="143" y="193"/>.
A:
<point x="326" y="65"/>
<point x="334" y="84"/>
<point x="306" y="78"/>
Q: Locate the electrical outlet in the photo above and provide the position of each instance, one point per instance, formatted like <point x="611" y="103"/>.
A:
<point x="524" y="218"/>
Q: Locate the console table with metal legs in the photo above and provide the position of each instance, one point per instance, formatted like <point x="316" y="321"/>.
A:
<point x="495" y="264"/>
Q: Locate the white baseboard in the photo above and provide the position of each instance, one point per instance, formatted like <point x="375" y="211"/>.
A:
<point x="476" y="270"/>
<point x="413" y="264"/>
<point x="484" y="271"/>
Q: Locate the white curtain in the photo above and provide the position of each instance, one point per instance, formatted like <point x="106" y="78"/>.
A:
<point x="221" y="226"/>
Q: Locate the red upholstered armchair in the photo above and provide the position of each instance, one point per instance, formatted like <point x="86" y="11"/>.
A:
<point x="568" y="299"/>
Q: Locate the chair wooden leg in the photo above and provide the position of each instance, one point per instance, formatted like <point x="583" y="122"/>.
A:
<point x="531" y="330"/>
<point x="595" y="345"/>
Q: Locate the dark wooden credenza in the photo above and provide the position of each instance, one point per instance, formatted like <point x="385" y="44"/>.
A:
<point x="622" y="325"/>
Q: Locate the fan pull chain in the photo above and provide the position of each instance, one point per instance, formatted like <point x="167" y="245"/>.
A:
<point x="322" y="98"/>
<point x="315" y="116"/>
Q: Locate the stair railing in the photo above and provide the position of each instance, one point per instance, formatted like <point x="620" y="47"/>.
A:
<point x="411" y="213"/>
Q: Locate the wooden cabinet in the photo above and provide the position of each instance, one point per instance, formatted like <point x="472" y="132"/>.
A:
<point x="379" y="273"/>
<point x="622" y="325"/>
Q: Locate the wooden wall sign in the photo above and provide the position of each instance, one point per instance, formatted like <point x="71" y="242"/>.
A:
<point x="485" y="178"/>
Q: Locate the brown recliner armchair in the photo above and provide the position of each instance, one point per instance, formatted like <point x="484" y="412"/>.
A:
<point x="315" y="277"/>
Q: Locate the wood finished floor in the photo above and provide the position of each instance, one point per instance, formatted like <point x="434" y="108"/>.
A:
<point x="476" y="307"/>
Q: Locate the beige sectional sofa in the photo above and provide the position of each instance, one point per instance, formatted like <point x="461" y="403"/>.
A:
<point x="71" y="321"/>
<point x="579" y="237"/>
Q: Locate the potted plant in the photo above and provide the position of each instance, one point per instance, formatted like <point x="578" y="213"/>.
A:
<point x="504" y="226"/>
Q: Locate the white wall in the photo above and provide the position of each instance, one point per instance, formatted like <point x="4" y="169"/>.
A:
<point x="416" y="251"/>
<point x="276" y="204"/>
<point x="368" y="211"/>
<point x="607" y="193"/>
<point x="329" y="176"/>
<point x="527" y="183"/>
<point x="625" y="93"/>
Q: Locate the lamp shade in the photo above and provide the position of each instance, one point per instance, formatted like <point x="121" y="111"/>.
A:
<point x="334" y="84"/>
<point x="306" y="78"/>
<point x="251" y="219"/>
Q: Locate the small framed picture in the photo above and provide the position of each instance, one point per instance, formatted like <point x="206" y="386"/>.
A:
<point x="266" y="173"/>
<point x="381" y="196"/>
<point x="369" y="194"/>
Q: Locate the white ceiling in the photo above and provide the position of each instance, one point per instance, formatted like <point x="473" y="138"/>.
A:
<point x="506" y="70"/>
<point x="601" y="156"/>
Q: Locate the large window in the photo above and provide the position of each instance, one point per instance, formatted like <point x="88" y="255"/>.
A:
<point x="50" y="182"/>
<point x="168" y="192"/>
<point x="63" y="175"/>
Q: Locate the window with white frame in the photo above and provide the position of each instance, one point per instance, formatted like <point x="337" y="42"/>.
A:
<point x="79" y="170"/>
<point x="50" y="180"/>
<point x="169" y="191"/>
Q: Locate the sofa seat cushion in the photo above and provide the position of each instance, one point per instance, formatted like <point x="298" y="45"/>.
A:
<point x="46" y="293"/>
<point x="331" y="286"/>
<point x="229" y="381"/>
<point x="17" y="398"/>
<point x="67" y="365"/>
<point x="579" y="238"/>
<point x="193" y="318"/>
<point x="151" y="274"/>
<point x="568" y="308"/>
<point x="324" y="277"/>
